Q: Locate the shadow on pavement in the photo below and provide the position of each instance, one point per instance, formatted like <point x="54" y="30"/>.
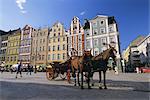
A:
<point x="33" y="91"/>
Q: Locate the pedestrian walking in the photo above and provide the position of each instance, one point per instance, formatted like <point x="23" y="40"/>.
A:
<point x="2" y="69"/>
<point x="35" y="69"/>
<point x="19" y="69"/>
<point x="30" y="68"/>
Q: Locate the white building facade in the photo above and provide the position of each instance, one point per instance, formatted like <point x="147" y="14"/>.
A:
<point x="75" y="38"/>
<point x="144" y="50"/>
<point x="102" y="30"/>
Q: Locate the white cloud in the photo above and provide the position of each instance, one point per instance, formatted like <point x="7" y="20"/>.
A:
<point x="20" y="5"/>
<point x="82" y="13"/>
<point x="23" y="11"/>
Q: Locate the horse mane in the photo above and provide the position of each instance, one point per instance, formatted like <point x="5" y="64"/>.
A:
<point x="102" y="55"/>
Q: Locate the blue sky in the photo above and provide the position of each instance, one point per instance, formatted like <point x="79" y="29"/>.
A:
<point x="132" y="15"/>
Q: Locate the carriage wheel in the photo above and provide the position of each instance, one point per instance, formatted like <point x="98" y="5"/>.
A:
<point x="63" y="76"/>
<point x="50" y="73"/>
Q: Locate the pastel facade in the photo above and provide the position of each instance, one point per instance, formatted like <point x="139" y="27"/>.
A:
<point x="12" y="55"/>
<point x="137" y="53"/>
<point x="100" y="31"/>
<point x="3" y="45"/>
<point x="57" y="44"/>
<point x="39" y="47"/>
<point x="75" y="38"/>
<point x="25" y="46"/>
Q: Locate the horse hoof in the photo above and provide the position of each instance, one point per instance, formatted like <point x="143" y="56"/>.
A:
<point x="89" y="87"/>
<point x="105" y="87"/>
<point x="79" y="84"/>
<point x="82" y="87"/>
<point x="100" y="88"/>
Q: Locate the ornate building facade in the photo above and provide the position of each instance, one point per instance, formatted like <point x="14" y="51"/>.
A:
<point x="57" y="43"/>
<point x="39" y="47"/>
<point x="75" y="38"/>
<point x="25" y="45"/>
<point x="100" y="31"/>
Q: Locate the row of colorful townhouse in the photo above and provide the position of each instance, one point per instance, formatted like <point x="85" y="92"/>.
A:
<point x="45" y="45"/>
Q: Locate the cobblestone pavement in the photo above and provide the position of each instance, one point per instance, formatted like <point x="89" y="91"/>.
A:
<point x="124" y="86"/>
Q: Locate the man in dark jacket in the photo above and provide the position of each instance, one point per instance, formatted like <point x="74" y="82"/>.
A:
<point x="30" y="68"/>
<point x="19" y="70"/>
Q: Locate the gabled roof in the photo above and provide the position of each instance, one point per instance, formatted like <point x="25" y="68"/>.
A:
<point x="111" y="20"/>
<point x="102" y="16"/>
<point x="26" y="26"/>
<point x="144" y="39"/>
<point x="2" y="32"/>
<point x="56" y="23"/>
<point x="137" y="40"/>
<point x="86" y="24"/>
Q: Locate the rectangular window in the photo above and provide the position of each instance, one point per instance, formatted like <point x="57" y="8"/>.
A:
<point x="53" y="57"/>
<point x="111" y="39"/>
<point x="88" y="44"/>
<point x="58" y="56"/>
<point x="58" y="34"/>
<point x="103" y="41"/>
<point x="49" y="48"/>
<point x="58" y="39"/>
<point x="39" y="57"/>
<point x="42" y="57"/>
<point x="80" y="46"/>
<point x="11" y="59"/>
<point x="53" y="40"/>
<point x="80" y="38"/>
<point x="110" y="29"/>
<point x="102" y="30"/>
<point x="63" y="46"/>
<point x="43" y="40"/>
<point x="8" y="59"/>
<point x="43" y="48"/>
<point x="63" y="55"/>
<point x="53" y="48"/>
<point x="95" y="31"/>
<point x="58" y="48"/>
<point x="95" y="42"/>
<point x="49" y="56"/>
<point x="63" y="38"/>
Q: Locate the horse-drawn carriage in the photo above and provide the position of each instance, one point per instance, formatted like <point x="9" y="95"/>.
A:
<point x="57" y="69"/>
<point x="85" y="63"/>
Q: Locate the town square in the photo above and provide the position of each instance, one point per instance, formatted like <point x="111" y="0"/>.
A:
<point x="74" y="50"/>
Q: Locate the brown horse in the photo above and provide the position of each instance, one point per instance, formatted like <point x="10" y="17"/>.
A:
<point x="99" y="63"/>
<point x="80" y="64"/>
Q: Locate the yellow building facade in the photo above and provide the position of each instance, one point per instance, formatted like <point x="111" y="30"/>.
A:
<point x="57" y="44"/>
<point x="12" y="54"/>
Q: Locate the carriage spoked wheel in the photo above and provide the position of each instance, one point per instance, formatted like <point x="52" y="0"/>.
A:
<point x="50" y="73"/>
<point x="63" y="76"/>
